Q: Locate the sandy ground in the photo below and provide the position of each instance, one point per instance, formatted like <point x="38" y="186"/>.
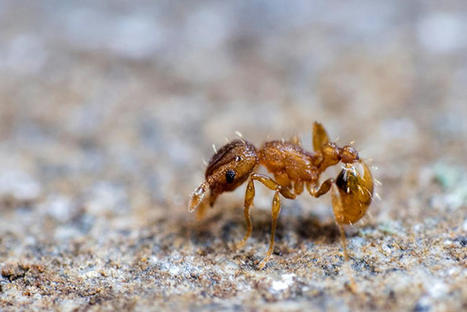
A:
<point x="108" y="110"/>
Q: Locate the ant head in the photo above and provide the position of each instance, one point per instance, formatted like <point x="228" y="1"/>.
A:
<point x="348" y="154"/>
<point x="331" y="153"/>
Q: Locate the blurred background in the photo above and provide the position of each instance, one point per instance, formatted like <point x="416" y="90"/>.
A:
<point x="108" y="108"/>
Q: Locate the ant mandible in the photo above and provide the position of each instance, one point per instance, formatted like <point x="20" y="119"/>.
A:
<point x="294" y="169"/>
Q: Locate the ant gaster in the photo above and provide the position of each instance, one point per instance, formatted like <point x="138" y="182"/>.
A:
<point x="293" y="169"/>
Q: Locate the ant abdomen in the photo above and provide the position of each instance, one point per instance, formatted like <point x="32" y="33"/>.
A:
<point x="231" y="166"/>
<point x="228" y="168"/>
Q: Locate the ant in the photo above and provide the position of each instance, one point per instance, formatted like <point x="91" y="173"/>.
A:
<point x="294" y="169"/>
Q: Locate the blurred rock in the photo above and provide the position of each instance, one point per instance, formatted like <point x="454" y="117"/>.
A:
<point x="18" y="186"/>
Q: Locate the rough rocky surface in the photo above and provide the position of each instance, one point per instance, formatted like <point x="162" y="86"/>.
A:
<point x="107" y="111"/>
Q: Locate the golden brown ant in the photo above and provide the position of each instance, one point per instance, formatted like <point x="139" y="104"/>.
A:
<point x="294" y="169"/>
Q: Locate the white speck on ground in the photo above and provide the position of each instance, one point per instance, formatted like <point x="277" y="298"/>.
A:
<point x="285" y="281"/>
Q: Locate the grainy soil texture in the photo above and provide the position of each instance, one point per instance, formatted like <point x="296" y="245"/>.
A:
<point x="108" y="108"/>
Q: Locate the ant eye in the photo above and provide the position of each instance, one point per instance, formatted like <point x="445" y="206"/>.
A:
<point x="238" y="158"/>
<point x="230" y="176"/>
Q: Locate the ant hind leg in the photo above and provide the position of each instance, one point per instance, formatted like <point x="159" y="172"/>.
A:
<point x="338" y="208"/>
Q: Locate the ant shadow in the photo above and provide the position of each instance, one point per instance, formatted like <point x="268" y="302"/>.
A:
<point x="228" y="225"/>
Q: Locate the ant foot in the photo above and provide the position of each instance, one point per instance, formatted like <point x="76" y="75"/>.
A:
<point x="261" y="264"/>
<point x="240" y="244"/>
<point x="351" y="286"/>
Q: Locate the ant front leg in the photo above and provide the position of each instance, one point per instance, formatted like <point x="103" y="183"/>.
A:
<point x="339" y="208"/>
<point x="336" y="204"/>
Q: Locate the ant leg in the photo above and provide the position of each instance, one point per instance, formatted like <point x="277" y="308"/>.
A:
<point x="322" y="189"/>
<point x="298" y="187"/>
<point x="276" y="208"/>
<point x="273" y="185"/>
<point x="250" y="193"/>
<point x="343" y="241"/>
<point x="282" y="178"/>
<point x="249" y="196"/>
<point x="337" y="207"/>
